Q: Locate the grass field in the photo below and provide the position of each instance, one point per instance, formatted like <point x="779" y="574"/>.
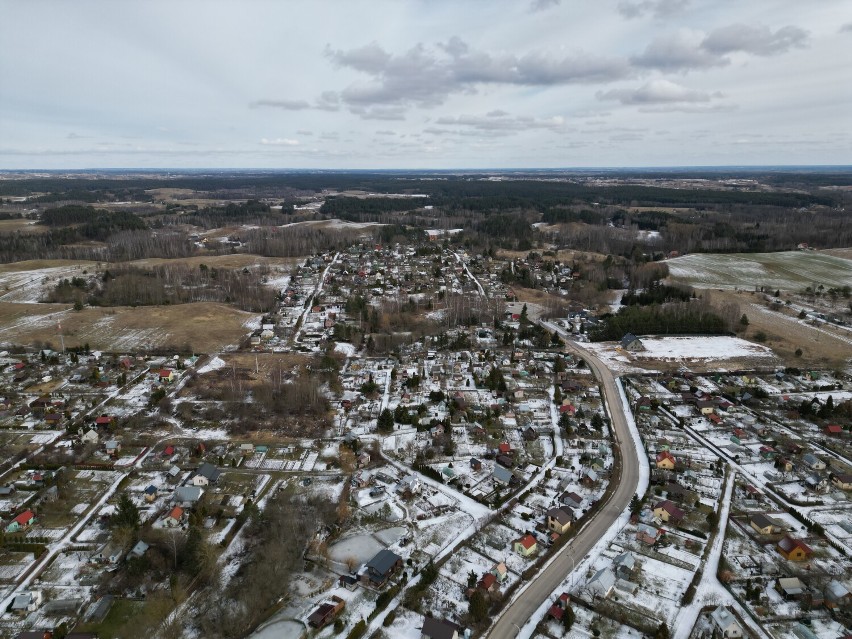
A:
<point x="205" y="326"/>
<point x="788" y="271"/>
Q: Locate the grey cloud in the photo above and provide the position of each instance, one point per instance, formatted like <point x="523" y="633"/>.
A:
<point x="656" y="92"/>
<point x="279" y="142"/>
<point x="690" y="108"/>
<point x="685" y="50"/>
<point x="303" y="132"/>
<point x="755" y="40"/>
<point x="541" y="5"/>
<point x="287" y="105"/>
<point x="74" y="136"/>
<point x="658" y="8"/>
<point x="677" y="51"/>
<point x="385" y="132"/>
<point x="380" y="112"/>
<point x="846" y="28"/>
<point x="426" y="77"/>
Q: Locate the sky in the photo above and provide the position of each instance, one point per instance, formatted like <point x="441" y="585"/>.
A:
<point x="410" y="84"/>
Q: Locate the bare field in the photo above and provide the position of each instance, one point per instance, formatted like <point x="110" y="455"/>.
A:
<point x="823" y="346"/>
<point x="788" y="270"/>
<point x="205" y="326"/>
<point x="845" y="253"/>
<point x="23" y="225"/>
<point x="233" y="260"/>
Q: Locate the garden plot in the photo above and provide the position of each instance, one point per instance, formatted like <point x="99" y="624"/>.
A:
<point x="13" y="564"/>
<point x="305" y="460"/>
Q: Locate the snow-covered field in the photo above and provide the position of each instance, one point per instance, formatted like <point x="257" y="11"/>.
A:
<point x="791" y="270"/>
<point x="698" y="349"/>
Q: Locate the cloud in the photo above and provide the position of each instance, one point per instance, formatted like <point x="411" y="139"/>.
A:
<point x="304" y="132"/>
<point x="426" y="77"/>
<point x="279" y="142"/>
<point x="542" y="5"/>
<point x="755" y="40"/>
<point x="74" y="136"/>
<point x="658" y="8"/>
<point x="287" y="105"/>
<point x="656" y="92"/>
<point x="379" y="112"/>
<point x="690" y="108"/>
<point x="846" y="28"/>
<point x="499" y="123"/>
<point x="385" y="132"/>
<point x="688" y="50"/>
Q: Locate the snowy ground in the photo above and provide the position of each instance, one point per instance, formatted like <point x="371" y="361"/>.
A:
<point x="692" y="349"/>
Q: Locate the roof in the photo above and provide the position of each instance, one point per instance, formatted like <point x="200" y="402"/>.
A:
<point x="487" y="580"/>
<point x="176" y="513"/>
<point x="665" y="455"/>
<point x="187" y="493"/>
<point x="502" y="474"/>
<point x="628" y="338"/>
<point x="151" y="490"/>
<point x="209" y="471"/>
<point x="671" y="509"/>
<point x="625" y="559"/>
<point x="383" y="562"/>
<point x="139" y="549"/>
<point x="762" y="521"/>
<point x="788" y="544"/>
<point x="603" y="579"/>
<point x="527" y="541"/>
<point x="561" y="516"/>
<point x="723" y="618"/>
<point x="25" y="517"/>
<point x="438" y="628"/>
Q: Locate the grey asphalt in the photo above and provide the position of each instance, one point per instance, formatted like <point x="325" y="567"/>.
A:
<point x="522" y="608"/>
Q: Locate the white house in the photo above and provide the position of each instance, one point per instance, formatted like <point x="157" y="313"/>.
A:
<point x="90" y="437"/>
<point x="726" y="623"/>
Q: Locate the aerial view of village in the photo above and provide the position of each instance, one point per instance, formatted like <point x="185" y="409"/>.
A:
<point x="392" y="319"/>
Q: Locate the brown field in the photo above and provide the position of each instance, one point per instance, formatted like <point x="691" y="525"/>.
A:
<point x="823" y="347"/>
<point x="22" y="225"/>
<point x="32" y="265"/>
<point x="564" y="255"/>
<point x="206" y="327"/>
<point x="234" y="260"/>
<point x="845" y="253"/>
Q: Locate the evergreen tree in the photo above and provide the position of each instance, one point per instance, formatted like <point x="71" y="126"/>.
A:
<point x="126" y="514"/>
<point x="385" y="422"/>
<point x="478" y="608"/>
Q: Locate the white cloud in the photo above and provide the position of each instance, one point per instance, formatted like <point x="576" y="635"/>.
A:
<point x="279" y="142"/>
<point x="656" y="92"/>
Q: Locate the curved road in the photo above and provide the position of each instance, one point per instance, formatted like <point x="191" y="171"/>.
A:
<point x="523" y="607"/>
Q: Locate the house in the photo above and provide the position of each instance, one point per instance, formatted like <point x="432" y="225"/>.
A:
<point x="765" y="525"/>
<point x="833" y="430"/>
<point x="475" y="464"/>
<point x="173" y="473"/>
<point x="726" y="623"/>
<point x="705" y="407"/>
<point x="624" y="564"/>
<point x="326" y="612"/>
<point x="665" y="460"/>
<point x="601" y="583"/>
<point x="791" y="588"/>
<point x="206" y="474"/>
<point x="187" y="496"/>
<point x="381" y="568"/>
<point x="439" y="629"/>
<point x="168" y="451"/>
<point x="26" y="602"/>
<point x="526" y="546"/>
<point x="647" y="534"/>
<point x="112" y="447"/>
<point x="488" y="582"/>
<point x="410" y="484"/>
<point x="589" y="478"/>
<point x="842" y="480"/>
<point x="166" y="375"/>
<point x="505" y="448"/>
<point x="138" y="550"/>
<point x="501" y="572"/>
<point x="247" y="449"/>
<point x="571" y="499"/>
<point x="7" y="489"/>
<point x="631" y="343"/>
<point x="110" y="553"/>
<point x="103" y="420"/>
<point x="504" y="476"/>
<point x="505" y="461"/>
<point x="151" y="493"/>
<point x="815" y="481"/>
<point x="666" y="511"/>
<point x="813" y="462"/>
<point x="21" y="522"/>
<point x="90" y="437"/>
<point x="530" y="434"/>
<point x="794" y="549"/>
<point x="644" y="404"/>
<point x="837" y="595"/>
<point x="559" y="520"/>
<point x="174" y="518"/>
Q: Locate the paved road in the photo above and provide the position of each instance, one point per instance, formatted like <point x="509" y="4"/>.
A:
<point x="524" y="606"/>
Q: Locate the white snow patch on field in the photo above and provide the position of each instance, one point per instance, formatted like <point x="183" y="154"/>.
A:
<point x="213" y="365"/>
<point x="345" y="348"/>
<point x="707" y="348"/>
